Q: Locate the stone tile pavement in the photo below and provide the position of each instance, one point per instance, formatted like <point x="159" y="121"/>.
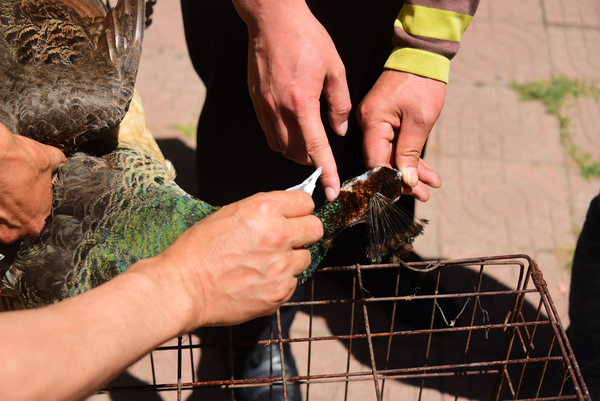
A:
<point x="509" y="186"/>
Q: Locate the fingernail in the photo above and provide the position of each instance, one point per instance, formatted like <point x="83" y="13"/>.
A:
<point x="330" y="194"/>
<point x="412" y="177"/>
<point x="344" y="128"/>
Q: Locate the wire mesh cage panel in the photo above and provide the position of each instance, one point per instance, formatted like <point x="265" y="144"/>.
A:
<point x="449" y="329"/>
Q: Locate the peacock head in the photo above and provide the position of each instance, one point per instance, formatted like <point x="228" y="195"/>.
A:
<point x="371" y="198"/>
<point x="360" y="194"/>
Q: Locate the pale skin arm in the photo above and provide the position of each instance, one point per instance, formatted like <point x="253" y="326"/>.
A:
<point x="27" y="168"/>
<point x="292" y="60"/>
<point x="235" y="265"/>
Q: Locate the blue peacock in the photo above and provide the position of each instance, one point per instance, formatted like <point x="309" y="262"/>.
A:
<point x="115" y="198"/>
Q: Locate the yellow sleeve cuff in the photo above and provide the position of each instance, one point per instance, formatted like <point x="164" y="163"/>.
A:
<point x="432" y="23"/>
<point x="419" y="62"/>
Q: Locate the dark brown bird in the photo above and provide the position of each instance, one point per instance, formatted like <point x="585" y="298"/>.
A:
<point x="68" y="67"/>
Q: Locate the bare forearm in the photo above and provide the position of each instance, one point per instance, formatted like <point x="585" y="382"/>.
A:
<point x="84" y="342"/>
<point x="233" y="258"/>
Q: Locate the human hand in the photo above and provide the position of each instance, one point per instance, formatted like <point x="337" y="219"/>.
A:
<point x="396" y="117"/>
<point x="291" y="61"/>
<point x="242" y="261"/>
<point x="27" y="169"/>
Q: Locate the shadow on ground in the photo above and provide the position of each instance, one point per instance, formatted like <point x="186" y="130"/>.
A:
<point x="415" y="350"/>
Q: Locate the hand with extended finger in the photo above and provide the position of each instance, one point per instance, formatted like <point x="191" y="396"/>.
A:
<point x="292" y="61"/>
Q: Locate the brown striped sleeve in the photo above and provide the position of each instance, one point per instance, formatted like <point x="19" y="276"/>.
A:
<point x="427" y="35"/>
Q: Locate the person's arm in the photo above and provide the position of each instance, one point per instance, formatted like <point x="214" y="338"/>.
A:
<point x="292" y="60"/>
<point x="237" y="264"/>
<point x="404" y="104"/>
<point x="27" y="169"/>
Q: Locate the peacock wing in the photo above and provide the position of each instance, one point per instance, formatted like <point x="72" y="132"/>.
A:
<point x="68" y="67"/>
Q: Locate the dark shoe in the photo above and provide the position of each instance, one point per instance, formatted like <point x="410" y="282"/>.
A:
<point x="257" y="365"/>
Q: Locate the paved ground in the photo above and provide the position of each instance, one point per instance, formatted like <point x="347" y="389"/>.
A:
<point x="508" y="185"/>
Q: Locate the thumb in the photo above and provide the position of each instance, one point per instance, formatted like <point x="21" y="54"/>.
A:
<point x="336" y="92"/>
<point x="55" y="155"/>
<point x="55" y="159"/>
<point x="409" y="146"/>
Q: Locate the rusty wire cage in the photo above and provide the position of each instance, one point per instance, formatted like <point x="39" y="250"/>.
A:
<point x="444" y="329"/>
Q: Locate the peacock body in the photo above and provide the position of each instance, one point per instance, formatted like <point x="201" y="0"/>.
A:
<point x="121" y="205"/>
<point x="109" y="212"/>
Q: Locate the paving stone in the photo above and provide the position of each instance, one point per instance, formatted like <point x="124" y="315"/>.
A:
<point x="584" y="13"/>
<point x="575" y="52"/>
<point x="490" y="121"/>
<point x="501" y="51"/>
<point x="584" y="114"/>
<point x="171" y="91"/>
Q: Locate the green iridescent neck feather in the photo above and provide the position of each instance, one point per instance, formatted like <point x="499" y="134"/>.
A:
<point x="329" y="216"/>
<point x="110" y="212"/>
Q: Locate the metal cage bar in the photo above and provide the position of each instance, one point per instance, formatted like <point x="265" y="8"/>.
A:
<point x="445" y="326"/>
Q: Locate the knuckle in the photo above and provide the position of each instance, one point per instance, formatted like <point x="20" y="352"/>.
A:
<point x="274" y="239"/>
<point x="262" y="203"/>
<point x="340" y="71"/>
<point x="422" y="122"/>
<point x="44" y="161"/>
<point x="8" y="236"/>
<point x="364" y="107"/>
<point x="307" y="200"/>
<point x="279" y="267"/>
<point x="337" y="73"/>
<point x="316" y="146"/>
<point x="344" y="107"/>
<point x="365" y="111"/>
<point x="282" y="294"/>
<point x="413" y="153"/>
<point x="411" y="156"/>
<point x="37" y="225"/>
<point x="298" y="98"/>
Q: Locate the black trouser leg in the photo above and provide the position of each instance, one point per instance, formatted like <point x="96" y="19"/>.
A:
<point x="584" y="300"/>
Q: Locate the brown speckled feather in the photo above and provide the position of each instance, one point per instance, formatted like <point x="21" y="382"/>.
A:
<point x="46" y="262"/>
<point x="68" y="68"/>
